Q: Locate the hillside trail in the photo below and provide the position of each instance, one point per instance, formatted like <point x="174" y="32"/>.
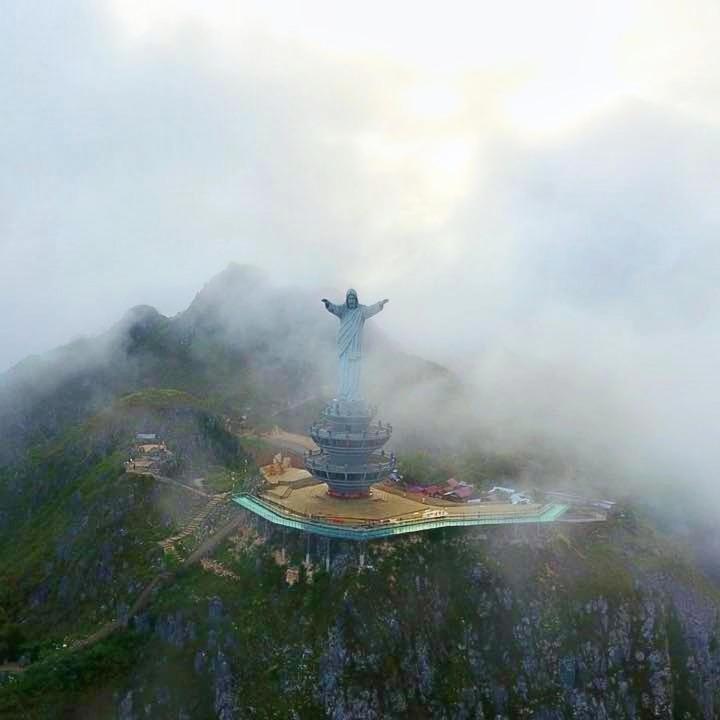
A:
<point x="162" y="578"/>
<point x="168" y="545"/>
<point x="170" y="481"/>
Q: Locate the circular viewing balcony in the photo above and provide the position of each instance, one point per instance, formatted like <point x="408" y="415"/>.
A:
<point x="371" y="439"/>
<point x="349" y="476"/>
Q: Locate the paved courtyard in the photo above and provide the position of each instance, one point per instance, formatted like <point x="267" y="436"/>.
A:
<point x="313" y="502"/>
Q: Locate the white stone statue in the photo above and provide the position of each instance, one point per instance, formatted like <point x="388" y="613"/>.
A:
<point x="349" y="341"/>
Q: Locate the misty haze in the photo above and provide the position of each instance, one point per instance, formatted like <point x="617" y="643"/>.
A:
<point x="483" y="484"/>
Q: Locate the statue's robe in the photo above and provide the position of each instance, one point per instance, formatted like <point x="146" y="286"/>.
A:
<point x="349" y="345"/>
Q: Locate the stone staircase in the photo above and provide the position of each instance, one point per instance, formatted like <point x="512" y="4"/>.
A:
<point x="280" y="491"/>
<point x="297" y="484"/>
<point x="168" y="544"/>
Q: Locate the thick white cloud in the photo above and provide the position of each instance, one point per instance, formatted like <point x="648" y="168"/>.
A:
<point x="535" y="182"/>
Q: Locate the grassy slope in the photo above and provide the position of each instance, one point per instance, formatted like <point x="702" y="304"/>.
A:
<point x="276" y="638"/>
<point x="280" y="634"/>
<point x="90" y="523"/>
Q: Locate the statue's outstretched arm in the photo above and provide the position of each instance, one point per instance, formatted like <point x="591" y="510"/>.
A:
<point x="371" y="310"/>
<point x="331" y="307"/>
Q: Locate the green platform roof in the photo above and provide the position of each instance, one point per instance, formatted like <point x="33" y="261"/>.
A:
<point x="280" y="516"/>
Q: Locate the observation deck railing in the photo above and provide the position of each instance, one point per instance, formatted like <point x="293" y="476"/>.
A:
<point x="368" y="529"/>
<point x="317" y="461"/>
<point x="371" y="438"/>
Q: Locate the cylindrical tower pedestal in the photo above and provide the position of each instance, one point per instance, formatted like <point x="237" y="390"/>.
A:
<point x="351" y="457"/>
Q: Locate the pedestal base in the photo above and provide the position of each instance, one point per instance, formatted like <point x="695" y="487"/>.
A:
<point x="348" y="495"/>
<point x="350" y="458"/>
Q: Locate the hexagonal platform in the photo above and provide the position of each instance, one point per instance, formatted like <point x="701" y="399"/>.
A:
<point x="384" y="513"/>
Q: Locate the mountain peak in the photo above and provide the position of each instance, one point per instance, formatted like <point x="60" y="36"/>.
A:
<point x="233" y="286"/>
<point x="237" y="273"/>
<point x="141" y="313"/>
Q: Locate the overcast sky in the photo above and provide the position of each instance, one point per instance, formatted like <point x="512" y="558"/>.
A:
<point x="534" y="185"/>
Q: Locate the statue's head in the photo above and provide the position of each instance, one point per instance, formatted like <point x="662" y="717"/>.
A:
<point x="351" y="298"/>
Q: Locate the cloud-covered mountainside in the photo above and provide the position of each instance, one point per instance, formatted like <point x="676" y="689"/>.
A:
<point x="129" y="596"/>
<point x="550" y="234"/>
<point x="244" y="344"/>
<point x="249" y="345"/>
<point x="605" y="622"/>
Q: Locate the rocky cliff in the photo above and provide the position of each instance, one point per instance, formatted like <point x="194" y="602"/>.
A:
<point x="98" y="619"/>
<point x="573" y="622"/>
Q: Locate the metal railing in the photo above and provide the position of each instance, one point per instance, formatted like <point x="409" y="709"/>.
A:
<point x="372" y="529"/>
<point x="378" y="464"/>
<point x="328" y="437"/>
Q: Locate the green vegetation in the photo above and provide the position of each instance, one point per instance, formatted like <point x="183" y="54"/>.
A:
<point x="53" y="685"/>
<point x="255" y="445"/>
<point x="485" y="469"/>
<point x="219" y="480"/>
<point x="477" y="468"/>
<point x="423" y="468"/>
<point x="456" y="623"/>
<point x="90" y="543"/>
<point x="113" y="539"/>
<point x="431" y="619"/>
<point x="12" y="639"/>
<point x="159" y="399"/>
<point x="423" y="599"/>
<point x="277" y="630"/>
<point x="223" y="479"/>
<point x="685" y="702"/>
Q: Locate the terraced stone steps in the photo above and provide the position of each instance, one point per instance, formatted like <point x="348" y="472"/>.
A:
<point x="168" y="544"/>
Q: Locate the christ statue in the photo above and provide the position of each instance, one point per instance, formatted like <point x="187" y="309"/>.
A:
<point x="349" y="341"/>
